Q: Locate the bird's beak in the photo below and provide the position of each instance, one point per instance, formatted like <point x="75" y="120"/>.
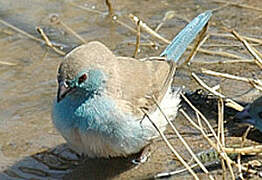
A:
<point x="63" y="90"/>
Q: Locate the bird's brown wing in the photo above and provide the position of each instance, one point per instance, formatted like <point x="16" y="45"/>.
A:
<point x="135" y="83"/>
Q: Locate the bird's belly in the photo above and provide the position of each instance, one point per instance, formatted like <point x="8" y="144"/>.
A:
<point x="96" y="144"/>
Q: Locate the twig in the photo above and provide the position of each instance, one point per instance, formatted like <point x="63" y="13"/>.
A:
<point x="229" y="102"/>
<point x="110" y="9"/>
<point x="226" y="61"/>
<point x="168" y="15"/>
<point x="7" y="63"/>
<point x="245" y="150"/>
<point x="198" y="42"/>
<point x="146" y="28"/>
<point x="171" y="147"/>
<point x="249" y="48"/>
<point x="21" y="31"/>
<point x="253" y="82"/>
<point x="48" y="42"/>
<point x="220" y="131"/>
<point x="238" y="5"/>
<point x="239" y="155"/>
<point x="183" y="141"/>
<point x="217" y="53"/>
<point x="137" y="38"/>
<point x="55" y="19"/>
<point x="87" y="9"/>
<point x="218" y="149"/>
<point x="254" y="40"/>
<point x="172" y="173"/>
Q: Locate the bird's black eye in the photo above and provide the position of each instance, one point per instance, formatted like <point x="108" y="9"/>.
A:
<point x="82" y="78"/>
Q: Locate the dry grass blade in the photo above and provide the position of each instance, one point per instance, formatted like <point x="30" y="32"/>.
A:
<point x="137" y="39"/>
<point x="253" y="82"/>
<point x="7" y="63"/>
<point x="86" y="9"/>
<point x="229" y="102"/>
<point x="48" y="42"/>
<point x="168" y="15"/>
<point x="244" y="137"/>
<point x="183" y="141"/>
<point x="253" y="40"/>
<point x="222" y="154"/>
<point x="161" y="38"/>
<point x="220" y="131"/>
<point x="171" y="147"/>
<point x="239" y="5"/>
<point x="249" y="48"/>
<point x="172" y="173"/>
<point x="198" y="42"/>
<point x="219" y="147"/>
<point x="21" y="31"/>
<point x="217" y="53"/>
<point x="55" y="19"/>
<point x="110" y="9"/>
<point x="226" y="61"/>
<point x="245" y="150"/>
<point x="149" y="30"/>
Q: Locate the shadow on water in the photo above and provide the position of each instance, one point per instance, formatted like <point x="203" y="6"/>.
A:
<point x="61" y="163"/>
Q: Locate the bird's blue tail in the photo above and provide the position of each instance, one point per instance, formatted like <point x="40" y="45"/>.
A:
<point x="179" y="44"/>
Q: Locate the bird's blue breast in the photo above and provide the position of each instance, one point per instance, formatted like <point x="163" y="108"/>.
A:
<point x="85" y="112"/>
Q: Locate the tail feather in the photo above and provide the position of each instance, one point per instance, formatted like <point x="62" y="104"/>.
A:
<point x="179" y="44"/>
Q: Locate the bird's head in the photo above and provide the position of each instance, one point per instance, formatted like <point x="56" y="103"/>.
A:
<point x="80" y="73"/>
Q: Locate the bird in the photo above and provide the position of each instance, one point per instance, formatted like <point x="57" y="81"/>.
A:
<point x="251" y="114"/>
<point x="105" y="103"/>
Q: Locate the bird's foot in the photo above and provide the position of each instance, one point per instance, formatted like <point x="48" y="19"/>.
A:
<point x="143" y="157"/>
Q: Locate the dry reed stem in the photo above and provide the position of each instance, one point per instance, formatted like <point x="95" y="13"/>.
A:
<point x="253" y="82"/>
<point x="168" y="15"/>
<point x="56" y="20"/>
<point x="219" y="147"/>
<point x="229" y="102"/>
<point x="137" y="39"/>
<point x="146" y="28"/>
<point x="7" y="63"/>
<point x="227" y="45"/>
<point x="21" y="31"/>
<point x="172" y="173"/>
<point x="171" y="147"/>
<point x="239" y="5"/>
<point x="250" y="150"/>
<point x="243" y="138"/>
<point x="220" y="131"/>
<point x="200" y="40"/>
<point x="219" y="150"/>
<point x="86" y="9"/>
<point x="254" y="40"/>
<point x="48" y="42"/>
<point x="222" y="154"/>
<point x="166" y="41"/>
<point x="249" y="48"/>
<point x="183" y="141"/>
<point x="226" y="61"/>
<point x="223" y="150"/>
<point x="217" y="53"/>
<point x="110" y="8"/>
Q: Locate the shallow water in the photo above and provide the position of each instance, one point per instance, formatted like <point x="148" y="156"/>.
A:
<point x="28" y="87"/>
